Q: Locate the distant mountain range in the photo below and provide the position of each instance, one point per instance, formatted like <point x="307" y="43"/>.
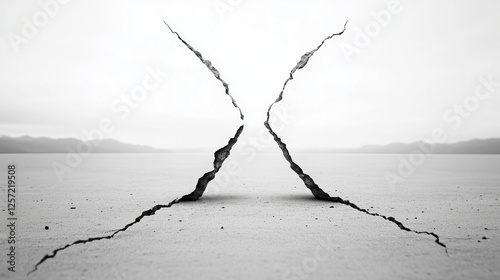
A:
<point x="27" y="144"/>
<point x="474" y="146"/>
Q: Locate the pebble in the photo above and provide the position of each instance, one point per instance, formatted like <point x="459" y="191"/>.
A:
<point x="46" y="227"/>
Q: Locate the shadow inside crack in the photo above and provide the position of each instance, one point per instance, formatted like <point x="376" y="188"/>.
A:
<point x="308" y="180"/>
<point x="219" y="157"/>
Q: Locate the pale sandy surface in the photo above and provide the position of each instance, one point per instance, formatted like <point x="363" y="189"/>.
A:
<point x="263" y="225"/>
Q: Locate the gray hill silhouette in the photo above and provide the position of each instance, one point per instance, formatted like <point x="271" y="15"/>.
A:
<point x="27" y="144"/>
<point x="474" y="146"/>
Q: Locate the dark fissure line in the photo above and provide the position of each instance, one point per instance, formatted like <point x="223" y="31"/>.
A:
<point x="209" y="66"/>
<point x="308" y="181"/>
<point x="149" y="212"/>
<point x="221" y="154"/>
<point x="219" y="158"/>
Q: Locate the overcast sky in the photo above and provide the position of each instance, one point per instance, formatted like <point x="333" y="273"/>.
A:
<point x="401" y="70"/>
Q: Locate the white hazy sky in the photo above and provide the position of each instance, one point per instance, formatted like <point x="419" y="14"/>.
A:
<point x="66" y="75"/>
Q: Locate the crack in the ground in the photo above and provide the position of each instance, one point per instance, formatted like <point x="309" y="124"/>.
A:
<point x="219" y="158"/>
<point x="209" y="65"/>
<point x="308" y="181"/>
<point x="149" y="212"/>
<point x="221" y="154"/>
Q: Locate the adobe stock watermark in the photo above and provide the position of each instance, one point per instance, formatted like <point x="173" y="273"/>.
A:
<point x="121" y="106"/>
<point x="363" y="37"/>
<point x="222" y="7"/>
<point x="249" y="148"/>
<point x="32" y="26"/>
<point x="454" y="117"/>
<point x="310" y="264"/>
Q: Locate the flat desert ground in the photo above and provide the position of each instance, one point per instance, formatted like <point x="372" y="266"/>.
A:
<point x="256" y="220"/>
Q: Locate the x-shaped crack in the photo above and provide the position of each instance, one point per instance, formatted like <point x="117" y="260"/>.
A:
<point x="221" y="155"/>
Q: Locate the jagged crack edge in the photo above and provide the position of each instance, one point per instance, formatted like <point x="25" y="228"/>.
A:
<point x="308" y="181"/>
<point x="221" y="154"/>
<point x="148" y="212"/>
<point x="219" y="158"/>
<point x="391" y="219"/>
<point x="210" y="67"/>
